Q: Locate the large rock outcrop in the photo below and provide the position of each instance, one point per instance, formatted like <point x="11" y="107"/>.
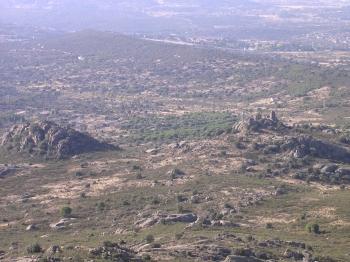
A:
<point x="48" y="139"/>
<point x="307" y="145"/>
<point x="259" y="123"/>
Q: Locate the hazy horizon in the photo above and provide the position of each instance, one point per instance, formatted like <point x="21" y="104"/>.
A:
<point x="155" y="15"/>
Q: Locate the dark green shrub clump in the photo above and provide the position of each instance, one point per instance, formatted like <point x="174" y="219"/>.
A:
<point x="101" y="206"/>
<point x="149" y="239"/>
<point x="313" y="228"/>
<point x="34" y="248"/>
<point x="269" y="225"/>
<point x="66" y="211"/>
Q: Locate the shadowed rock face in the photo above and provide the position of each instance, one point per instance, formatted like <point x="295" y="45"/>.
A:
<point x="4" y="171"/>
<point x="49" y="139"/>
<point x="307" y="145"/>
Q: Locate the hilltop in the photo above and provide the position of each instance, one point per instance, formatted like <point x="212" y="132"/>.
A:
<point x="48" y="139"/>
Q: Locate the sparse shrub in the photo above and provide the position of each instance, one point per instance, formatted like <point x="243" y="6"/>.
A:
<point x="313" y="228"/>
<point x="77" y="258"/>
<point x="324" y="259"/>
<point x="195" y="199"/>
<point x="263" y="255"/>
<point x="149" y="238"/>
<point x="223" y="153"/>
<point x="79" y="174"/>
<point x="146" y="257"/>
<point x="176" y="173"/>
<point x="136" y="167"/>
<point x="228" y="205"/>
<point x="269" y="225"/>
<point x="180" y="209"/>
<point x="45" y="259"/>
<point x="101" y="206"/>
<point x="244" y="252"/>
<point x="240" y="146"/>
<point x="303" y="216"/>
<point x="281" y="190"/>
<point x="122" y="242"/>
<point x="180" y="198"/>
<point x="108" y="244"/>
<point x="178" y="236"/>
<point x="34" y="248"/>
<point x="216" y="216"/>
<point x="249" y="238"/>
<point x="155" y="201"/>
<point x="308" y="180"/>
<point x="66" y="211"/>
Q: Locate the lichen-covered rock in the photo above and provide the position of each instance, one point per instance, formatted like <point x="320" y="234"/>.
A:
<point x="51" y="140"/>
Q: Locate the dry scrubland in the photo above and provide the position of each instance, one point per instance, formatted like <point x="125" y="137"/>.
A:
<point x="193" y="164"/>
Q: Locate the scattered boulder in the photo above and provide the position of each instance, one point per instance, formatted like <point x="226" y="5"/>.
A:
<point x="32" y="227"/>
<point x="26" y="196"/>
<point x="182" y="218"/>
<point x="176" y="173"/>
<point x="329" y="169"/>
<point x="343" y="172"/>
<point x="300" y="152"/>
<point x="115" y="252"/>
<point x="162" y="218"/>
<point x="62" y="224"/>
<point x="148" y="222"/>
<point x="223" y="223"/>
<point x="293" y="254"/>
<point x="48" y="139"/>
<point x="214" y="253"/>
<point x="54" y="250"/>
<point x="152" y="151"/>
<point x="195" y="199"/>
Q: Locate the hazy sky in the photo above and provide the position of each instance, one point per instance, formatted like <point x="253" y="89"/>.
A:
<point x="148" y="15"/>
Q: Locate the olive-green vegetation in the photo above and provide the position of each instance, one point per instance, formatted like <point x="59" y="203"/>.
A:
<point x="177" y="128"/>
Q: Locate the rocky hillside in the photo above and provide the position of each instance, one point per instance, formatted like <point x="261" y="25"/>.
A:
<point x="48" y="139"/>
<point x="313" y="153"/>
